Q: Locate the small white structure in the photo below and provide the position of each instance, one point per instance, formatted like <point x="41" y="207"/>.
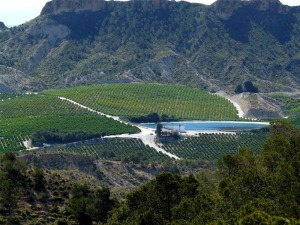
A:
<point x="179" y="128"/>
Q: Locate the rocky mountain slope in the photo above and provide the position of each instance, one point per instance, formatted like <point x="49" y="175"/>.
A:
<point x="216" y="47"/>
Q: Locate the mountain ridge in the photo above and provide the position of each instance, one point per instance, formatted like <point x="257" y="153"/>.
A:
<point x="225" y="8"/>
<point x="2" y="25"/>
<point x="55" y="7"/>
<point x="154" y="41"/>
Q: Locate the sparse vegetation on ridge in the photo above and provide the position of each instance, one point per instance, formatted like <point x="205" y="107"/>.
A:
<point x="156" y="41"/>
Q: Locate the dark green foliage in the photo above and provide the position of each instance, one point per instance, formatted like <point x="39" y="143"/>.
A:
<point x="38" y="179"/>
<point x="11" y="178"/>
<point x="152" y="118"/>
<point x="248" y="188"/>
<point x="37" y="196"/>
<point x="56" y="136"/>
<point x="252" y="189"/>
<point x="249" y="87"/>
<point x="282" y="128"/>
<point x="136" y="99"/>
<point x="8" y="194"/>
<point x="125" y="150"/>
<point x="88" y="205"/>
<point x="25" y="115"/>
<point x="212" y="147"/>
<point x="261" y="217"/>
<point x="100" y="205"/>
<point x="246" y="87"/>
<point x="158" y="130"/>
<point x="269" y="178"/>
<point x="255" y="218"/>
<point x="78" y="203"/>
<point x="158" y="200"/>
<point x="238" y="89"/>
<point x="290" y="106"/>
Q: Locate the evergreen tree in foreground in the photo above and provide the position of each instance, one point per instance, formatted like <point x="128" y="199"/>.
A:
<point x="251" y="189"/>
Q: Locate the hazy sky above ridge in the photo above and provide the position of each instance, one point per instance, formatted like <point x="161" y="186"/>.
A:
<point x="16" y="12"/>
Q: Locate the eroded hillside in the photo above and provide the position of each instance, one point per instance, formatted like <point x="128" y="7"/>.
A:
<point x="216" y="47"/>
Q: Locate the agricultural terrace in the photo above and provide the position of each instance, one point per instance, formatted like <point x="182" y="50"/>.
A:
<point x="126" y="150"/>
<point x="133" y="100"/>
<point x="205" y="147"/>
<point x="23" y="115"/>
<point x="211" y="147"/>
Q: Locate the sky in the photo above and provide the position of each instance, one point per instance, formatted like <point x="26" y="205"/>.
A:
<point x="16" y="12"/>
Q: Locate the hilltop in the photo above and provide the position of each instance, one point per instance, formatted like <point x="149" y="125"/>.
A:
<point x="2" y="25"/>
<point x="217" y="47"/>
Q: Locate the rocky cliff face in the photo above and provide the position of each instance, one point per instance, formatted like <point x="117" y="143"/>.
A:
<point x="225" y="8"/>
<point x="81" y="42"/>
<point x="2" y="25"/>
<point x="56" y="7"/>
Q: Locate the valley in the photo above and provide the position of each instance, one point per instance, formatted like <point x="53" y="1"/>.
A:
<point x="79" y="83"/>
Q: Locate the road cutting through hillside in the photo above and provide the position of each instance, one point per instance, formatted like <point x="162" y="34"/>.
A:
<point x="241" y="113"/>
<point x="147" y="135"/>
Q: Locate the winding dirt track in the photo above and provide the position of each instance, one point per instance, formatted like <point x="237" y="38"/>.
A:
<point x="146" y="135"/>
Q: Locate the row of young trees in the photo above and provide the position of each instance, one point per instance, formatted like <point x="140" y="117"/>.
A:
<point x="213" y="146"/>
<point x="152" y="118"/>
<point x="118" y="149"/>
<point x="134" y="100"/>
<point x="25" y="115"/>
<point x="57" y="136"/>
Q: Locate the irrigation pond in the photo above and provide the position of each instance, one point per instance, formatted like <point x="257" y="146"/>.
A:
<point x="230" y="126"/>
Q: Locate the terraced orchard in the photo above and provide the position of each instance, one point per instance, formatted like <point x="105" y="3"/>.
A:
<point x="133" y="100"/>
<point x="211" y="147"/>
<point x="23" y="115"/>
<point x="127" y="150"/>
<point x="206" y="147"/>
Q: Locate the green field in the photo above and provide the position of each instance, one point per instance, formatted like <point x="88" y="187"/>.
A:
<point x="23" y="115"/>
<point x="127" y="150"/>
<point x="206" y="147"/>
<point x="290" y="105"/>
<point x="128" y="100"/>
<point x="212" y="147"/>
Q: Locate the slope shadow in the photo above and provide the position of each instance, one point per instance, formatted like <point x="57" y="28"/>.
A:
<point x="278" y="25"/>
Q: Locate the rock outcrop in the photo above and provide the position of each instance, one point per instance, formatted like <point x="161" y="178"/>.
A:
<point x="225" y="8"/>
<point x="56" y="7"/>
<point x="2" y="26"/>
<point x="82" y="42"/>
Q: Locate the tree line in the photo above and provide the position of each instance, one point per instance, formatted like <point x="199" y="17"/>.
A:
<point x="152" y="118"/>
<point x="57" y="136"/>
<point x="246" y="188"/>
